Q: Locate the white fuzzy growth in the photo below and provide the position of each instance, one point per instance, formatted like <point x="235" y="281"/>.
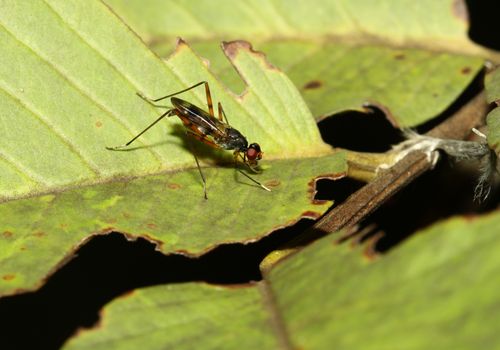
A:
<point x="416" y="142"/>
<point x="456" y="149"/>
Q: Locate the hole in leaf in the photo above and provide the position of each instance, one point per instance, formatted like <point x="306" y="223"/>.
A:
<point x="484" y="23"/>
<point x="360" y="132"/>
<point x="336" y="190"/>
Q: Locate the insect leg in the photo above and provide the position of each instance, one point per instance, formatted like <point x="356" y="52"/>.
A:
<point x="222" y="113"/>
<point x="176" y="93"/>
<point x="202" y="176"/>
<point x="151" y="102"/>
<point x="202" y="139"/>
<point x="236" y="154"/>
<point x="209" y="100"/>
<point x="207" y="92"/>
<point x="245" y="161"/>
<point x="168" y="113"/>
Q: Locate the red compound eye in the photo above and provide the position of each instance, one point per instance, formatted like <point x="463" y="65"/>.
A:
<point x="252" y="154"/>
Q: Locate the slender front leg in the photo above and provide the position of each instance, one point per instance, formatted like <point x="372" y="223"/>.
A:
<point x="177" y="93"/>
<point x="207" y="92"/>
<point x="202" y="176"/>
<point x="236" y="154"/>
<point x="222" y="113"/>
<point x="166" y="114"/>
<point x="202" y="139"/>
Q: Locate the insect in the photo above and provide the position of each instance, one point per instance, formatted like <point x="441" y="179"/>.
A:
<point x="205" y="127"/>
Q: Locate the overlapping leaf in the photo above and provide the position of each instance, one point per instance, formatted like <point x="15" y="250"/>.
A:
<point x="412" y="59"/>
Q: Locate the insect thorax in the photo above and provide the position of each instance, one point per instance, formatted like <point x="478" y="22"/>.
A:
<point x="233" y="140"/>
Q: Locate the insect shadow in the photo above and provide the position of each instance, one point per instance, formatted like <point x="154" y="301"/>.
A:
<point x="209" y="156"/>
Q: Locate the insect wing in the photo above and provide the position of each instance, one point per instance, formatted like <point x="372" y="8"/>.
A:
<point x="204" y="122"/>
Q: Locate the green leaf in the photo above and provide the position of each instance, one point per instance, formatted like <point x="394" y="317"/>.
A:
<point x="179" y="316"/>
<point x="438" y="290"/>
<point x="68" y="87"/>
<point x="410" y="59"/>
<point x="167" y="209"/>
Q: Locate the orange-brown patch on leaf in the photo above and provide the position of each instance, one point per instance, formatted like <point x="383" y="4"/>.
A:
<point x="399" y="56"/>
<point x="7" y="234"/>
<point x="272" y="183"/>
<point x="459" y="10"/>
<point x="466" y="70"/>
<point x="370" y="251"/>
<point x="313" y="84"/>
<point x="240" y="285"/>
<point x="128" y="294"/>
<point x="310" y="214"/>
<point x="39" y="234"/>
<point x="174" y="186"/>
<point x="8" y="277"/>
<point x="232" y="48"/>
<point x="98" y="124"/>
<point x="180" y="42"/>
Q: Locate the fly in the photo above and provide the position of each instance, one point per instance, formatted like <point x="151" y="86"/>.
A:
<point x="205" y="127"/>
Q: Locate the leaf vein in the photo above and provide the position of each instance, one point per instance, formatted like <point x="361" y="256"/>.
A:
<point x="86" y="94"/>
<point x="21" y="169"/>
<point x="72" y="148"/>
